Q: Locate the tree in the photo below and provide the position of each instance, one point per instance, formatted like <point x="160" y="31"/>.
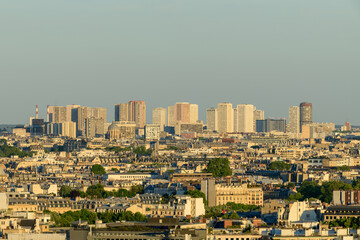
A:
<point x="96" y="190"/>
<point x="98" y="169"/>
<point x="279" y="165"/>
<point x="219" y="167"/>
<point x="74" y="194"/>
<point x="234" y="215"/>
<point x="197" y="194"/>
<point x="65" y="191"/>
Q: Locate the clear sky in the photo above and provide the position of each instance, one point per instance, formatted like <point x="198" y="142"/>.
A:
<point x="270" y="53"/>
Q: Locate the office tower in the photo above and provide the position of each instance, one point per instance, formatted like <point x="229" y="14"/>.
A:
<point x="235" y="120"/>
<point x="225" y="117"/>
<point x="78" y="116"/>
<point x="258" y="115"/>
<point x="269" y="125"/>
<point x="171" y="116"/>
<point x="69" y="111"/>
<point x="137" y="113"/>
<point x="212" y="119"/>
<point x="159" y="117"/>
<point x="194" y="113"/>
<point x="37" y="127"/>
<point x="68" y="129"/>
<point x="305" y="114"/>
<point x="182" y="112"/>
<point x="294" y="120"/>
<point x="94" y="127"/>
<point x="245" y="117"/>
<point x="100" y="113"/>
<point x="57" y="114"/>
<point x="121" y="112"/>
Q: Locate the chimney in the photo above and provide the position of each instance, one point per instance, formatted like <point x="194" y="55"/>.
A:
<point x="37" y="112"/>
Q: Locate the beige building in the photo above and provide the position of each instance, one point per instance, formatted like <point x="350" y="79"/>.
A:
<point x="121" y="112"/>
<point x="56" y="114"/>
<point x="94" y="127"/>
<point x="225" y="117"/>
<point x="121" y="130"/>
<point x="78" y="116"/>
<point x="68" y="129"/>
<point x="194" y="113"/>
<point x="245" y="118"/>
<point x="294" y="121"/>
<point x="258" y="115"/>
<point x="171" y="116"/>
<point x="137" y="113"/>
<point x="238" y="193"/>
<point x="100" y="113"/>
<point x="159" y="117"/>
<point x="317" y="130"/>
<point x="69" y="109"/>
<point x="212" y="119"/>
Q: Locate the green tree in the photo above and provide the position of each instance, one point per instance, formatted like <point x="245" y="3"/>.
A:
<point x="96" y="190"/>
<point x="197" y="194"/>
<point x="279" y="165"/>
<point x="219" y="167"/>
<point x="65" y="191"/>
<point x="98" y="169"/>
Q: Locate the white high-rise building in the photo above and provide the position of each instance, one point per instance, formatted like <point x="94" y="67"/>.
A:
<point x="245" y="118"/>
<point x="225" y="118"/>
<point x="159" y="117"/>
<point x="212" y="119"/>
<point x="294" y="120"/>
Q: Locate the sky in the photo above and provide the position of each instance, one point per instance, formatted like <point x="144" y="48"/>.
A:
<point x="270" y="53"/>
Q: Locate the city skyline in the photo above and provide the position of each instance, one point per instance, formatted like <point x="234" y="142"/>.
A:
<point x="166" y="52"/>
<point x="110" y="113"/>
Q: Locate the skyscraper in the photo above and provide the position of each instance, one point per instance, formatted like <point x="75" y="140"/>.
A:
<point x="57" y="114"/>
<point x="182" y="112"/>
<point x="69" y="111"/>
<point x="159" y="117"/>
<point x="294" y="120"/>
<point x="79" y="115"/>
<point x="137" y="113"/>
<point x="171" y="116"/>
<point x="225" y="117"/>
<point x="305" y="113"/>
<point x="245" y="118"/>
<point x="100" y="113"/>
<point x="212" y="119"/>
<point x="121" y="112"/>
<point x="235" y="114"/>
<point x="258" y="115"/>
<point x="194" y="113"/>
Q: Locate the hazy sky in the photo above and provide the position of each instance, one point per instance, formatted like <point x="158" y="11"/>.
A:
<point x="271" y="53"/>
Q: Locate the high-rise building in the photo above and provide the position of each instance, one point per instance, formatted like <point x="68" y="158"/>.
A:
<point x="137" y="113"/>
<point x="121" y="112"/>
<point x="258" y="115"/>
<point x="225" y="117"/>
<point x="68" y="129"/>
<point x="305" y="114"/>
<point x="212" y="119"/>
<point x="245" y="117"/>
<point x="100" y="113"/>
<point x="194" y="113"/>
<point x="79" y="115"/>
<point x="57" y="114"/>
<point x="294" y="120"/>
<point x="69" y="111"/>
<point x="182" y="112"/>
<point x="235" y="114"/>
<point x="269" y="125"/>
<point x="159" y="117"/>
<point x="171" y="116"/>
<point x="94" y="127"/>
